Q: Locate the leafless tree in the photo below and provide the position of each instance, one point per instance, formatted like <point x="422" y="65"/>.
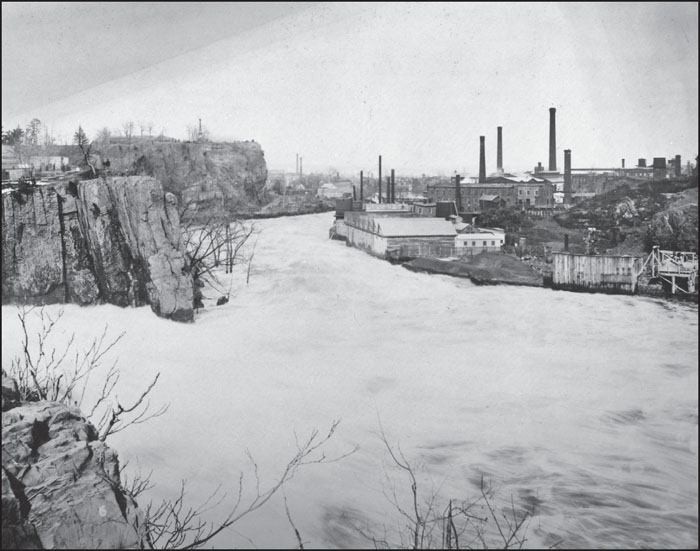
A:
<point x="174" y="525"/>
<point x="213" y="242"/>
<point x="103" y="137"/>
<point x="458" y="524"/>
<point x="43" y="372"/>
<point x="128" y="128"/>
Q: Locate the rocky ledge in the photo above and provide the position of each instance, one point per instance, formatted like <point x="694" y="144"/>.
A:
<point x="114" y="240"/>
<point x="60" y="484"/>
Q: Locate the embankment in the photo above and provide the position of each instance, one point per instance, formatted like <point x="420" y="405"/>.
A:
<point x="482" y="269"/>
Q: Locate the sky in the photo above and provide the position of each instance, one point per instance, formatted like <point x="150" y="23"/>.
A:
<point x="341" y="83"/>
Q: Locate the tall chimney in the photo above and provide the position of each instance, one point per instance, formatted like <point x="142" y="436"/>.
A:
<point x="552" y="139"/>
<point x="678" y="165"/>
<point x="362" y="187"/>
<point x="393" y="187"/>
<point x="499" y="151"/>
<point x="379" y="180"/>
<point x="301" y="169"/>
<point x="567" y="176"/>
<point x="458" y="193"/>
<point x="623" y="163"/>
<point x="482" y="160"/>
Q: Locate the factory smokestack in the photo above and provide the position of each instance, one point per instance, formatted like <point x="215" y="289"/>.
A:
<point x="301" y="166"/>
<point x="379" y="180"/>
<point x="623" y="163"/>
<point x="678" y="166"/>
<point x="499" y="151"/>
<point x="393" y="187"/>
<point x="362" y="187"/>
<point x="567" y="176"/>
<point x="482" y="159"/>
<point x="458" y="193"/>
<point x="552" y="139"/>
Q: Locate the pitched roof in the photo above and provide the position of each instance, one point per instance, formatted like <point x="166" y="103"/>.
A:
<point x="403" y="227"/>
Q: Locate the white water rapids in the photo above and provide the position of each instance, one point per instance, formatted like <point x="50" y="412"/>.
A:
<point x="583" y="405"/>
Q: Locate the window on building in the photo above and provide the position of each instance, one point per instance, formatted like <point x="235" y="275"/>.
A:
<point x="493" y="243"/>
<point x="473" y="243"/>
<point x="528" y="192"/>
<point x="484" y="243"/>
<point x="537" y="192"/>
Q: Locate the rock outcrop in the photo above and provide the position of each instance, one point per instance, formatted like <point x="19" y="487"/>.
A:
<point x="216" y="178"/>
<point x="114" y="240"/>
<point x="60" y="484"/>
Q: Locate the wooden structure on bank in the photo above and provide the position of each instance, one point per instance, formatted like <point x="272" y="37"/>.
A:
<point x="596" y="273"/>
<point x="676" y="270"/>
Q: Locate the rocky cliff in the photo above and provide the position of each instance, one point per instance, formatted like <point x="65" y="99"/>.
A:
<point x="114" y="240"/>
<point x="60" y="484"/>
<point x="217" y="178"/>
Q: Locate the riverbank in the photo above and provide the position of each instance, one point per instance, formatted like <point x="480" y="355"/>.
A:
<point x="482" y="269"/>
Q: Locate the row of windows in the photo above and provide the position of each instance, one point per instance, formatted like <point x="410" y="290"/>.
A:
<point x="485" y="244"/>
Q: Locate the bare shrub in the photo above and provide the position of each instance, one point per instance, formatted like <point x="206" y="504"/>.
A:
<point x="428" y="522"/>
<point x="175" y="525"/>
<point x="43" y="372"/>
<point x="212" y="244"/>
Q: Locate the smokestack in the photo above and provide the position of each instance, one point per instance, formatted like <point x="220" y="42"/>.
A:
<point x="379" y="180"/>
<point x="301" y="169"/>
<point x="623" y="163"/>
<point x="458" y="193"/>
<point x="362" y="187"/>
<point x="567" y="176"/>
<point x="482" y="160"/>
<point x="678" y="165"/>
<point x="200" y="126"/>
<point x="499" y="151"/>
<point x="552" y="139"/>
<point x="393" y="187"/>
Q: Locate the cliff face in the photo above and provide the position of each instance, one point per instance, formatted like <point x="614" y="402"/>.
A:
<point x="215" y="177"/>
<point x="114" y="240"/>
<point x="60" y="484"/>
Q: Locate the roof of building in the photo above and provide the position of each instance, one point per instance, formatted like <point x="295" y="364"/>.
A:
<point x="404" y="227"/>
<point x="489" y="198"/>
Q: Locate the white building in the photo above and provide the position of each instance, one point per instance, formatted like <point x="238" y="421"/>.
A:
<point x="479" y="240"/>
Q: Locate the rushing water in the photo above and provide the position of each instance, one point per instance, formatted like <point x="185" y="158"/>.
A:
<point x="584" y="406"/>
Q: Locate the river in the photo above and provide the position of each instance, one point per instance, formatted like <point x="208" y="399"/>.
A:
<point x="583" y="405"/>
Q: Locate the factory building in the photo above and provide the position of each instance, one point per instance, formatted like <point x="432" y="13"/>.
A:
<point x="384" y="236"/>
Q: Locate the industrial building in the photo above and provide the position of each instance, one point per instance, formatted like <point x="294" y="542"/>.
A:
<point x="385" y="235"/>
<point x="498" y="191"/>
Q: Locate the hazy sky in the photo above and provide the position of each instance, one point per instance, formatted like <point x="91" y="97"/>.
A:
<point x="341" y="83"/>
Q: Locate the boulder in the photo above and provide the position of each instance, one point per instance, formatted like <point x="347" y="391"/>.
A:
<point x="60" y="484"/>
